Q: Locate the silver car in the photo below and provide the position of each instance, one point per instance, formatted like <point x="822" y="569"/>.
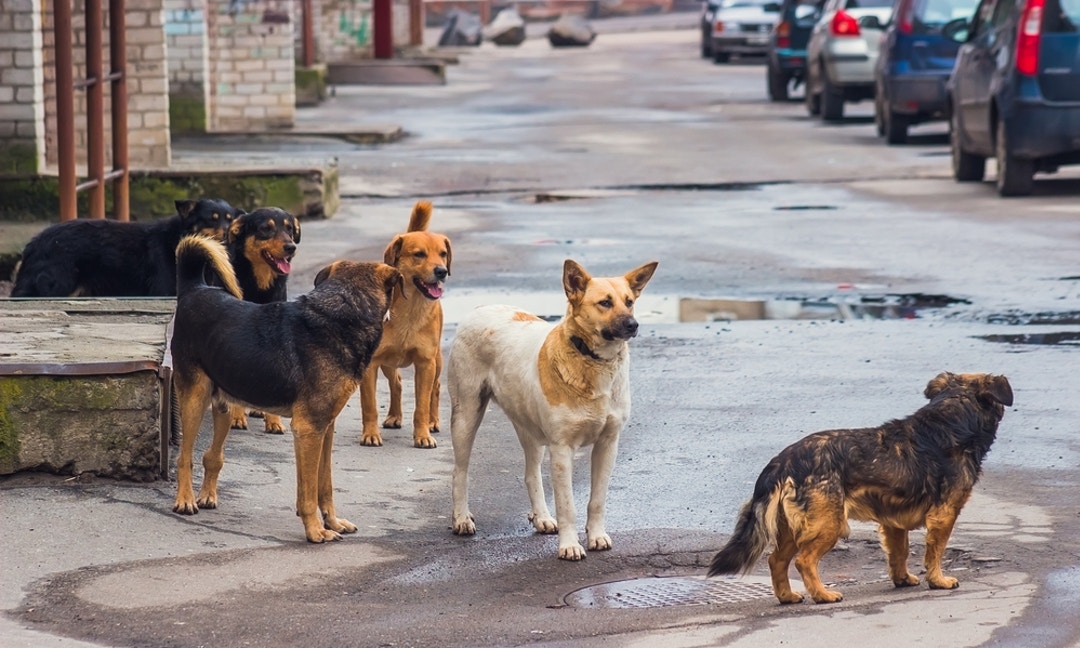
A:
<point x="842" y="54"/>
<point x="742" y="27"/>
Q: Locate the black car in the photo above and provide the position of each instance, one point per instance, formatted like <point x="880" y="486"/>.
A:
<point x="1014" y="93"/>
<point x="787" y="46"/>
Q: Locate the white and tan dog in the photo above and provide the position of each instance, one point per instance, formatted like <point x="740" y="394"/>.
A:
<point x="562" y="386"/>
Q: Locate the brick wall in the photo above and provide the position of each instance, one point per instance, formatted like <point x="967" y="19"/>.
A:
<point x="147" y="84"/>
<point x="188" y="54"/>
<point x="343" y="30"/>
<point x="252" y="65"/>
<point x="22" y="106"/>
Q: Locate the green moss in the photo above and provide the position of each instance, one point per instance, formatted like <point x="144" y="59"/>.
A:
<point x="187" y="114"/>
<point x="18" y="158"/>
<point x="310" y="85"/>
<point x="10" y="392"/>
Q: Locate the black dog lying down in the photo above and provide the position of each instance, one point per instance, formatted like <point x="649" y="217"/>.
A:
<point x="301" y="359"/>
<point x="108" y="258"/>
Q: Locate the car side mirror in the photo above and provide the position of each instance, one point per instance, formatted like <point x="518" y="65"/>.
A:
<point x="871" y="22"/>
<point x="771" y="7"/>
<point x="805" y="12"/>
<point x="958" y="29"/>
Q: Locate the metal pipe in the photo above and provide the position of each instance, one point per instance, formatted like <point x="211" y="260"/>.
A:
<point x="95" y="108"/>
<point x="65" y="109"/>
<point x="308" y="34"/>
<point x="118" y="77"/>
<point x="383" y="28"/>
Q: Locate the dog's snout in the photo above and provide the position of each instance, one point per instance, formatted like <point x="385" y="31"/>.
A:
<point x="630" y="325"/>
<point x="290" y="248"/>
<point x="441" y="272"/>
<point x="622" y="329"/>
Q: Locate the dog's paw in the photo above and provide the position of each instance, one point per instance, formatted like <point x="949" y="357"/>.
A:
<point x="238" y="421"/>
<point x="341" y="525"/>
<point x="907" y="581"/>
<point x="601" y="542"/>
<point x="392" y="422"/>
<point x="544" y="523"/>
<point x="207" y="501"/>
<point x="373" y="440"/>
<point x="256" y="414"/>
<point x="572" y="552"/>
<point x="319" y="536"/>
<point x="185" y="507"/>
<point x="426" y="442"/>
<point x="464" y="524"/>
<point x="943" y="582"/>
<point x="273" y="424"/>
<point x="790" y="598"/>
<point x="434" y="427"/>
<point x="828" y="596"/>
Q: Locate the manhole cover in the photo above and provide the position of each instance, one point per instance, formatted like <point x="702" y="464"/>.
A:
<point x="669" y="592"/>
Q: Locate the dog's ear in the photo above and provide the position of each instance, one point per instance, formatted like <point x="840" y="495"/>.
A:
<point x="449" y="255"/>
<point x="326" y="273"/>
<point x="392" y="280"/>
<point x="393" y="251"/>
<point x="638" y="277"/>
<point x="184" y="208"/>
<point x="997" y="388"/>
<point x="296" y="229"/>
<point x="574" y="280"/>
<point x="938" y="384"/>
<point x="236" y="230"/>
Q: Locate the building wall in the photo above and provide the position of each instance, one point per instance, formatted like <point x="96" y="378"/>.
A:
<point x="188" y="60"/>
<point x="343" y="30"/>
<point x="22" y="104"/>
<point x="147" y="84"/>
<point x="252" y="65"/>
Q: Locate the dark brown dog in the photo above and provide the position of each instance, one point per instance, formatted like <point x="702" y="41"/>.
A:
<point x="413" y="334"/>
<point x="305" y="363"/>
<point x="908" y="473"/>
<point x="261" y="246"/>
<point x="108" y="258"/>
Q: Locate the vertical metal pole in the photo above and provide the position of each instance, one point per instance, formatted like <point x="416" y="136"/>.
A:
<point x="383" y="20"/>
<point x="95" y="108"/>
<point x="118" y="63"/>
<point x="65" y="108"/>
<point x="308" y="36"/>
<point x="416" y="23"/>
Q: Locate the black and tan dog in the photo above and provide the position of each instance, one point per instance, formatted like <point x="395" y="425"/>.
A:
<point x="906" y="474"/>
<point x="305" y="363"/>
<point x="413" y="334"/>
<point x="108" y="258"/>
<point x="261" y="246"/>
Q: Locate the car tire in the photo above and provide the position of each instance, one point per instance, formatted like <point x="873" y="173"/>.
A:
<point x="832" y="101"/>
<point x="778" y="84"/>
<point x="967" y="167"/>
<point x="721" y="57"/>
<point x="812" y="99"/>
<point x="879" y="117"/>
<point x="706" y="46"/>
<point x="896" y="127"/>
<point x="1015" y="176"/>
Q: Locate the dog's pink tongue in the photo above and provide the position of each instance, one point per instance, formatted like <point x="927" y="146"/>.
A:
<point x="283" y="265"/>
<point x="435" y="290"/>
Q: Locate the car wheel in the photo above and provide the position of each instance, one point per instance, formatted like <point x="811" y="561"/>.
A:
<point x="879" y="118"/>
<point x="721" y="57"/>
<point x="778" y="84"/>
<point x="706" y="45"/>
<point x="813" y="99"/>
<point x="896" y="127"/>
<point x="1015" y="177"/>
<point x="967" y="167"/>
<point x="832" y="101"/>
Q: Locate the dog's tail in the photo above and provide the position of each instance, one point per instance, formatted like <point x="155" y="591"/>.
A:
<point x="421" y="216"/>
<point x="755" y="530"/>
<point x="193" y="255"/>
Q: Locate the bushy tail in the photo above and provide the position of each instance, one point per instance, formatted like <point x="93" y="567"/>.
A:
<point x="421" y="216"/>
<point x="755" y="532"/>
<point x="193" y="255"/>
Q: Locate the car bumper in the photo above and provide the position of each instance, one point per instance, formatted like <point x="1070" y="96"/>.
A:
<point x="1043" y="131"/>
<point x="790" y="60"/>
<point x="922" y="94"/>
<point x="741" y="44"/>
<point x="850" y="61"/>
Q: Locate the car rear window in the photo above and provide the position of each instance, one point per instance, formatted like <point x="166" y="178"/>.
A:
<point x="868" y="4"/>
<point x="930" y="15"/>
<point x="1062" y="15"/>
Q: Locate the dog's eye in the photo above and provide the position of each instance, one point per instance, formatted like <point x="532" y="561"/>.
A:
<point x="606" y="303"/>
<point x="629" y="302"/>
<point x="420" y="254"/>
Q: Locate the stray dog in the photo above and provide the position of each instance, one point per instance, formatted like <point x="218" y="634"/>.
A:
<point x="305" y="362"/>
<point x="108" y="258"/>
<point x="908" y="473"/>
<point x="413" y="334"/>
<point x="562" y="386"/>
<point x="261" y="245"/>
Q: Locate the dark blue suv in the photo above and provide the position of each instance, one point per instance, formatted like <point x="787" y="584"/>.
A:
<point x="914" y="63"/>
<point x="1014" y="93"/>
<point x="787" y="46"/>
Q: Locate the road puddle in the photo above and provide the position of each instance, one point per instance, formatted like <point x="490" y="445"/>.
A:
<point x="1057" y="338"/>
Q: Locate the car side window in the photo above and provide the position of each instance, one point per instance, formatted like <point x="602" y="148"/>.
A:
<point x="981" y="18"/>
<point x="1002" y="11"/>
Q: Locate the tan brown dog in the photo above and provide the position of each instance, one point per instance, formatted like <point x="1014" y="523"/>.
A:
<point x="413" y="334"/>
<point x="563" y="386"/>
<point x="305" y="363"/>
<point x="908" y="473"/>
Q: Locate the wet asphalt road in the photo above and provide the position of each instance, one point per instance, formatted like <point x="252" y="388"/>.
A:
<point x="631" y="150"/>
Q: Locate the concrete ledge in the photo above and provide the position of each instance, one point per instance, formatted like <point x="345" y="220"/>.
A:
<point x="83" y="389"/>
<point x="414" y="71"/>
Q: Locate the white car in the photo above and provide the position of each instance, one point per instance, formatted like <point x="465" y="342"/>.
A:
<point x="842" y="54"/>
<point x="739" y="27"/>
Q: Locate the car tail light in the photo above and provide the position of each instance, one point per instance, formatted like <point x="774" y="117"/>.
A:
<point x="844" y="24"/>
<point x="904" y="16"/>
<point x="1028" y="40"/>
<point x="718" y="27"/>
<point x="783" y="34"/>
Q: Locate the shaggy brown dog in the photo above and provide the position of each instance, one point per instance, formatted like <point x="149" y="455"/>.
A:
<point x="413" y="334"/>
<point x="905" y="474"/>
<point x="305" y="361"/>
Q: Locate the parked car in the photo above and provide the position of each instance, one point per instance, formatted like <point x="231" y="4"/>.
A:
<point x="786" y="54"/>
<point x="914" y="63"/>
<point x="842" y="53"/>
<point x="708" y="12"/>
<point x="1014" y="93"/>
<point x="739" y="27"/>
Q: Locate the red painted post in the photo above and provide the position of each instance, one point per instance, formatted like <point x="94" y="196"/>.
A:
<point x="383" y="19"/>
<point x="65" y="109"/>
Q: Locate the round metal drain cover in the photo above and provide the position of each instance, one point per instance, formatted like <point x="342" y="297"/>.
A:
<point x="669" y="592"/>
